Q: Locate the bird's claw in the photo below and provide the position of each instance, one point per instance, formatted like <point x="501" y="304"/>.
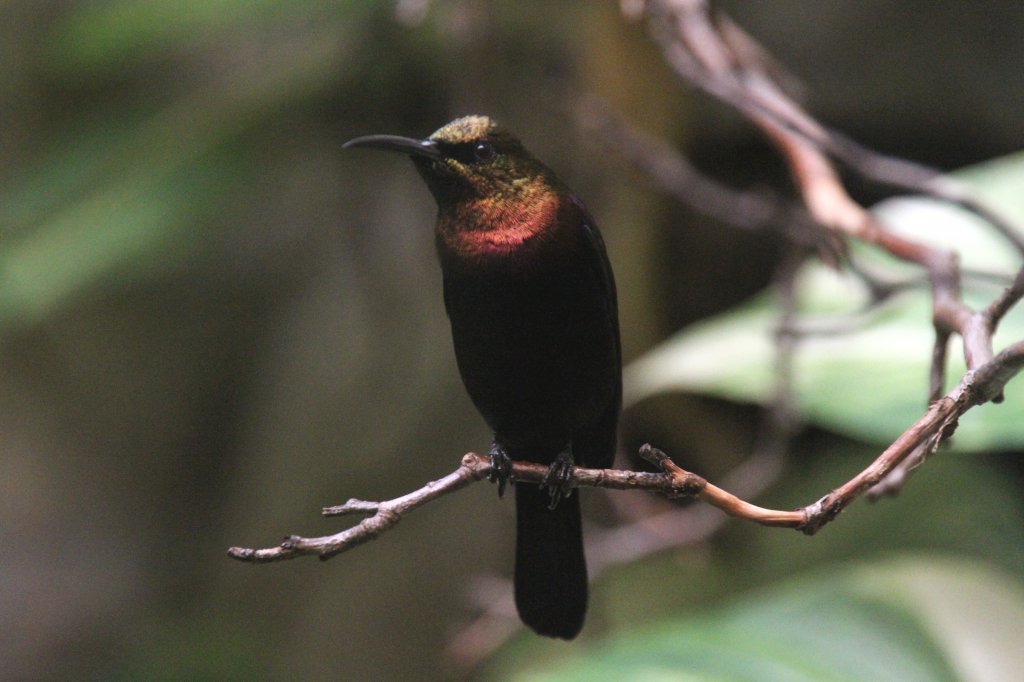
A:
<point x="558" y="479"/>
<point x="501" y="467"/>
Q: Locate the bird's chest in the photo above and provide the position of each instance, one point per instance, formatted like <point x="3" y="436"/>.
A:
<point x="511" y="276"/>
<point x="521" y="295"/>
<point x="532" y="339"/>
<point x="528" y="312"/>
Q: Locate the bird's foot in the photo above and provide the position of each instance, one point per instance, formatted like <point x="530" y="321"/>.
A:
<point x="501" y="467"/>
<point x="558" y="479"/>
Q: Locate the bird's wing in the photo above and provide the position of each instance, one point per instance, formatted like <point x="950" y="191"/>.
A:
<point x="603" y="437"/>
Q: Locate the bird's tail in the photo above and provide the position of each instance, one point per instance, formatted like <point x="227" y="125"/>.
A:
<point x="550" y="573"/>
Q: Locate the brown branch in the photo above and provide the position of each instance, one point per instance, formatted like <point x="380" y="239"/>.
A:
<point x="673" y="482"/>
<point x="606" y="548"/>
<point x="385" y="515"/>
<point x="1006" y="300"/>
<point x="674" y="174"/>
<point x="938" y="423"/>
<point x="715" y="55"/>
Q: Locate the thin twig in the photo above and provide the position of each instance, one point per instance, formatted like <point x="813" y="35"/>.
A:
<point x="385" y="515"/>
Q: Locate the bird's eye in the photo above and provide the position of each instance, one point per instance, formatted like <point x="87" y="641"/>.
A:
<point x="484" y="152"/>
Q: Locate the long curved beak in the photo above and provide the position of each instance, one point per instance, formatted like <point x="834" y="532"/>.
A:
<point x="396" y="143"/>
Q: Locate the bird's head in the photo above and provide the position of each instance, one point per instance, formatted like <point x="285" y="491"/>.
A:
<point x="469" y="160"/>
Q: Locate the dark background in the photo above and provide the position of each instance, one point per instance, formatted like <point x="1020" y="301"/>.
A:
<point x="215" y="321"/>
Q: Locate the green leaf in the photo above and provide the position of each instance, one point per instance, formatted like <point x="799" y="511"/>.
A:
<point x="121" y="193"/>
<point x="869" y="379"/>
<point x="106" y="35"/>
<point x="912" y="618"/>
<point x="127" y="222"/>
<point x="974" y="614"/>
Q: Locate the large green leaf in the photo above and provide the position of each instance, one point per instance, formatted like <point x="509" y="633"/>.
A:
<point x="912" y="618"/>
<point x="133" y="188"/>
<point x="128" y="222"/>
<point x="107" y="35"/>
<point x="863" y="376"/>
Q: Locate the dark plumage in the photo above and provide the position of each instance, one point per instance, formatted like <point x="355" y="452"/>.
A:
<point x="531" y="299"/>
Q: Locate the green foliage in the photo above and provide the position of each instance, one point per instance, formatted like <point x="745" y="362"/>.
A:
<point x="135" y="220"/>
<point x="129" y="186"/>
<point x="102" y="37"/>
<point x="912" y="618"/>
<point x="868" y="381"/>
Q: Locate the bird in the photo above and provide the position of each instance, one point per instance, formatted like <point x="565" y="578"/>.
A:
<point x="530" y="296"/>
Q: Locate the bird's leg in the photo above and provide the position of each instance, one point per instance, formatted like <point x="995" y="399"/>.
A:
<point x="559" y="474"/>
<point x="501" y="466"/>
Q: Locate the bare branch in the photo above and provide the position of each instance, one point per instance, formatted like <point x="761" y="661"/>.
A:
<point x="748" y="210"/>
<point x="924" y="436"/>
<point x="938" y="423"/>
<point x="385" y="516"/>
<point x="718" y="57"/>
<point x="1009" y="298"/>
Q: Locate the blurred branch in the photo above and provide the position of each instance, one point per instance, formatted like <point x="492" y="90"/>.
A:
<point x="717" y="56"/>
<point x="748" y="210"/>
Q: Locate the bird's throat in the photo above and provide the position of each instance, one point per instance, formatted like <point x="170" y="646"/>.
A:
<point x="486" y="228"/>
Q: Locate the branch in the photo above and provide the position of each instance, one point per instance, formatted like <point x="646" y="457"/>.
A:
<point x="674" y="174"/>
<point x="715" y="55"/>
<point x="938" y="423"/>
<point x="718" y="57"/>
<point x="673" y="482"/>
<point x="385" y="516"/>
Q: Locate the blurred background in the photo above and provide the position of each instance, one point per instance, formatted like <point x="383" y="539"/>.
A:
<point x="216" y="322"/>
